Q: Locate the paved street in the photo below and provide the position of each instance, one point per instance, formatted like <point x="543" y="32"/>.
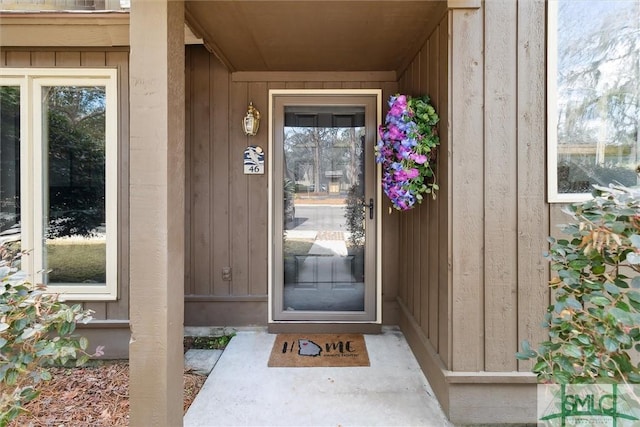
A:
<point x="319" y="218"/>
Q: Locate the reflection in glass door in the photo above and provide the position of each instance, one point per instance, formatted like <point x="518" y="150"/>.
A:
<point x="327" y="237"/>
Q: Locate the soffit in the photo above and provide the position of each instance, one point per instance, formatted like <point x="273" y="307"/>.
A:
<point x="314" y="35"/>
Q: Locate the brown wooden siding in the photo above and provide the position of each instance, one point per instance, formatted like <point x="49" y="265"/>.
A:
<point x="424" y="240"/>
<point x="474" y="275"/>
<point x="226" y="223"/>
<point x="96" y="58"/>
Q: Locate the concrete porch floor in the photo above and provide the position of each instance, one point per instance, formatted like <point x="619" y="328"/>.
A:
<point x="242" y="391"/>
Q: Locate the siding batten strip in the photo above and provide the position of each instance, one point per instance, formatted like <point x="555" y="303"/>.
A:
<point x="419" y="279"/>
<point x="435" y="65"/>
<point x="445" y="273"/>
<point x="200" y="172"/>
<point x="213" y="277"/>
<point x="467" y="192"/>
<point x="220" y="176"/>
<point x="501" y="185"/>
<point x="188" y="137"/>
<point x="258" y="200"/>
<point x="442" y="301"/>
<point x="239" y="197"/>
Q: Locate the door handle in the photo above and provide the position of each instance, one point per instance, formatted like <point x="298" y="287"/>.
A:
<point x="370" y="206"/>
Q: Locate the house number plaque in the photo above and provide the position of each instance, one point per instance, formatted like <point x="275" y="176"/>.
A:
<point x="253" y="160"/>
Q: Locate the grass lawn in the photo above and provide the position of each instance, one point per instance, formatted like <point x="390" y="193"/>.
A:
<point x="76" y="262"/>
<point x="84" y="262"/>
<point x="297" y="246"/>
<point x="292" y="248"/>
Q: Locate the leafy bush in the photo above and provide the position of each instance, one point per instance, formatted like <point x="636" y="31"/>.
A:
<point x="354" y="214"/>
<point x="579" y="176"/>
<point x="594" y="321"/>
<point x="289" y="194"/>
<point x="208" y="342"/>
<point x="36" y="332"/>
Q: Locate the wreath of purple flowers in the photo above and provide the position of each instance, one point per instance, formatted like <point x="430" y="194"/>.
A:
<point x="406" y="150"/>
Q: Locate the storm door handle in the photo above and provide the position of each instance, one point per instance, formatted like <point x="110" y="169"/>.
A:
<point x="370" y="206"/>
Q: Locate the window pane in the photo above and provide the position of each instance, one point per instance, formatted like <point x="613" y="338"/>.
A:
<point x="10" y="166"/>
<point x="598" y="94"/>
<point x="74" y="191"/>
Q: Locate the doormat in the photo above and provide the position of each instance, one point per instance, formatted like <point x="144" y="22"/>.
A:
<point x="318" y="350"/>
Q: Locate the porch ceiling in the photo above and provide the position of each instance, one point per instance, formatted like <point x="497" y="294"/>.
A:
<point x="310" y="35"/>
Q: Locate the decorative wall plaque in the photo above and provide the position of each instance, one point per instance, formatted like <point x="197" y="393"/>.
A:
<point x="253" y="160"/>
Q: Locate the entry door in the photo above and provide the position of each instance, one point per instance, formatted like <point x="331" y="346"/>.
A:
<point x="324" y="207"/>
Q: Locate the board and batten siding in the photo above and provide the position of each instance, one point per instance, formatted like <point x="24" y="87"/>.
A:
<point x="474" y="282"/>
<point x="226" y="221"/>
<point x="110" y="327"/>
<point x="424" y="254"/>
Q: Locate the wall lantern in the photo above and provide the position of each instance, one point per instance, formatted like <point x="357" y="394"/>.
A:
<point x="251" y="121"/>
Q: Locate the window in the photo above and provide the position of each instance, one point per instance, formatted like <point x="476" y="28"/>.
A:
<point x="593" y="96"/>
<point x="58" y="177"/>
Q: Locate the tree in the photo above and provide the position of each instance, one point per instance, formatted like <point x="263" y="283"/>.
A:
<point x="76" y="148"/>
<point x="75" y="163"/>
<point x="598" y="91"/>
<point x="9" y="156"/>
<point x="312" y="151"/>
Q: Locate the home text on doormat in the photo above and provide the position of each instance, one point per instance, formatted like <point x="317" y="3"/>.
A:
<point x="318" y="350"/>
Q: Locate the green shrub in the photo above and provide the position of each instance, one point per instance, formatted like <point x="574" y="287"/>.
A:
<point x="36" y="332"/>
<point x="594" y="321"/>
<point x="354" y="214"/>
<point x="208" y="342"/>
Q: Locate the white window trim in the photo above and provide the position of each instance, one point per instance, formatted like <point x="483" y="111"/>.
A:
<point x="553" y="196"/>
<point x="31" y="80"/>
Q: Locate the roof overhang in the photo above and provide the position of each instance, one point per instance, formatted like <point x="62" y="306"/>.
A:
<point x="263" y="35"/>
<point x="313" y="35"/>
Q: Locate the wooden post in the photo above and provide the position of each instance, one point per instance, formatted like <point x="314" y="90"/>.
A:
<point x="157" y="212"/>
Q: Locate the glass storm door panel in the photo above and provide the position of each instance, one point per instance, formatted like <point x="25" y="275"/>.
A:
<point x="325" y="235"/>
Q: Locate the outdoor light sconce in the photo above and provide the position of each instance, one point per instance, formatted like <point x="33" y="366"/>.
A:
<point x="251" y="121"/>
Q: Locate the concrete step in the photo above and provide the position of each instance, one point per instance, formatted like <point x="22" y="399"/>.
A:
<point x="201" y="361"/>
